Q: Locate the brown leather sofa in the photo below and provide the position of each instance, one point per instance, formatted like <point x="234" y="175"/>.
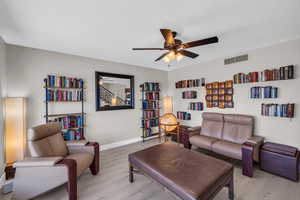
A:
<point x="53" y="162"/>
<point x="230" y="135"/>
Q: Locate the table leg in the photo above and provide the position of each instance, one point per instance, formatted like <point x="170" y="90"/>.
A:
<point x="231" y="189"/>
<point x="131" y="178"/>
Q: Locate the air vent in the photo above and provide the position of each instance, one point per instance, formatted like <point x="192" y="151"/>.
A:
<point x="236" y="59"/>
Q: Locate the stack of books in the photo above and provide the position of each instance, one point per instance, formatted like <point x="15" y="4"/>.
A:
<point x="183" y="115"/>
<point x="70" y="121"/>
<point x="150" y="104"/>
<point x="146" y="124"/>
<point x="72" y="135"/>
<point x="151" y="96"/>
<point x="264" y="92"/>
<point x="190" y="83"/>
<point x="150" y="114"/>
<point x="64" y="82"/>
<point x="64" y="95"/>
<point x="189" y="95"/>
<point x="278" y="110"/>
<point x="150" y="86"/>
<point x="196" y="106"/>
<point x="283" y="73"/>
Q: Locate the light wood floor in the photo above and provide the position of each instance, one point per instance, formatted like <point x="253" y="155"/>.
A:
<point x="112" y="183"/>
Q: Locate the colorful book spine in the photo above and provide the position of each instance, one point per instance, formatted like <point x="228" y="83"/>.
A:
<point x="64" y="95"/>
<point x="189" y="94"/>
<point x="267" y="92"/>
<point x="283" y="73"/>
<point x="64" y="82"/>
<point x="151" y="114"/>
<point x="278" y="110"/>
<point x="70" y="121"/>
<point x="183" y="115"/>
<point x="190" y="83"/>
<point x="149" y="123"/>
<point x="196" y="106"/>
<point x="150" y="86"/>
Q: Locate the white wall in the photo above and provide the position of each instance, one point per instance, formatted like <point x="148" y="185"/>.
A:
<point x="2" y="94"/>
<point x="28" y="67"/>
<point x="280" y="130"/>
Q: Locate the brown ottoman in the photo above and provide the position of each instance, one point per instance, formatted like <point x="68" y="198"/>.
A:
<point x="190" y="175"/>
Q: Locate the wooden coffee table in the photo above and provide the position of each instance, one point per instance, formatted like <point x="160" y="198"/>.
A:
<point x="190" y="175"/>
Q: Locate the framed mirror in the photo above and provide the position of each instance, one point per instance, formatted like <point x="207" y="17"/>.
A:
<point x="114" y="91"/>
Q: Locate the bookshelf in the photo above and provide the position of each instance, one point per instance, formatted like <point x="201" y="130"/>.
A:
<point x="150" y="110"/>
<point x="61" y="89"/>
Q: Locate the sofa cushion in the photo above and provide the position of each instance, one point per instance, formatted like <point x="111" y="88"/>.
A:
<point x="229" y="149"/>
<point x="237" y="128"/>
<point x="202" y="141"/>
<point x="212" y="125"/>
<point x="83" y="161"/>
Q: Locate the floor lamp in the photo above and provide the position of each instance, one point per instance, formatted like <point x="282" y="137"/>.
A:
<point x="15" y="129"/>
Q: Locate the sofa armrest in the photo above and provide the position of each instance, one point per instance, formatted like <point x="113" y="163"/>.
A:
<point x="255" y="140"/>
<point x="76" y="143"/>
<point x="38" y="162"/>
<point x="194" y="130"/>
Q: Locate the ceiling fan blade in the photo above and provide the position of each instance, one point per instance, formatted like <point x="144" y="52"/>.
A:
<point x="148" y="49"/>
<point x="200" y="42"/>
<point x="168" y="35"/>
<point x="160" y="57"/>
<point x="188" y="53"/>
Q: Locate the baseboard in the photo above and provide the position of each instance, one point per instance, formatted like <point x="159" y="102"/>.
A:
<point x="119" y="144"/>
<point x="122" y="143"/>
<point x="2" y="180"/>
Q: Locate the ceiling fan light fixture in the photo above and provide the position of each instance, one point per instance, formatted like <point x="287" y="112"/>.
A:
<point x="179" y="56"/>
<point x="166" y="59"/>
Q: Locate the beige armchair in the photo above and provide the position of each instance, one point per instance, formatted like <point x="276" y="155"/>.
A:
<point x="53" y="162"/>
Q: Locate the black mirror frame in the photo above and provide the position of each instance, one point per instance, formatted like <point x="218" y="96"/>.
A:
<point x="98" y="106"/>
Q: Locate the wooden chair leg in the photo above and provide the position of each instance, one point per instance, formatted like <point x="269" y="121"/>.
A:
<point x="131" y="176"/>
<point x="231" y="190"/>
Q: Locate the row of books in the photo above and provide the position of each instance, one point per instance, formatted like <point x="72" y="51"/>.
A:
<point x="190" y="83"/>
<point x="263" y="92"/>
<point x="72" y="135"/>
<point x="278" y="110"/>
<point x="150" y="104"/>
<point x="150" y="114"/>
<point x="283" y="73"/>
<point x="146" y="124"/>
<point x="148" y="133"/>
<point x="219" y="104"/>
<point x="196" y="106"/>
<point x="150" y="86"/>
<point x="183" y="115"/>
<point x="64" y="82"/>
<point x="151" y="96"/>
<point x="70" y="121"/>
<point x="189" y="94"/>
<point x="219" y="85"/>
<point x="64" y="95"/>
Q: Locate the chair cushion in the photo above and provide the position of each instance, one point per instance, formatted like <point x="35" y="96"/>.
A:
<point x="83" y="161"/>
<point x="212" y="125"/>
<point x="229" y="149"/>
<point x="43" y="131"/>
<point x="237" y="128"/>
<point x="201" y="141"/>
<point x="48" y="147"/>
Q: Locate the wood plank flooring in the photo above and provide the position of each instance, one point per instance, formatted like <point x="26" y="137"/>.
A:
<point x="112" y="183"/>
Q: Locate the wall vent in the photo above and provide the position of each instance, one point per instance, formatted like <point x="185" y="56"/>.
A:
<point x="236" y="59"/>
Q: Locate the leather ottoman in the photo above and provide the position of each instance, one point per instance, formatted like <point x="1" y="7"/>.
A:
<point x="280" y="159"/>
<point x="190" y="175"/>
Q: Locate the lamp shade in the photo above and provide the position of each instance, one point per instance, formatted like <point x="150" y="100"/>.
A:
<point x="168" y="104"/>
<point x="15" y="128"/>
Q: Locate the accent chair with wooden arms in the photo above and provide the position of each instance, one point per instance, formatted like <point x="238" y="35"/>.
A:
<point x="53" y="162"/>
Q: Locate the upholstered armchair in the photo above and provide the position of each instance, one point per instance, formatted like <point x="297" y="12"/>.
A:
<point x="53" y="162"/>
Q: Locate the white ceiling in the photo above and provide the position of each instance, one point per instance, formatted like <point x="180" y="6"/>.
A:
<point x="108" y="29"/>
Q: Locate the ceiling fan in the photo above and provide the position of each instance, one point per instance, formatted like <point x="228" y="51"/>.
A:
<point x="175" y="47"/>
